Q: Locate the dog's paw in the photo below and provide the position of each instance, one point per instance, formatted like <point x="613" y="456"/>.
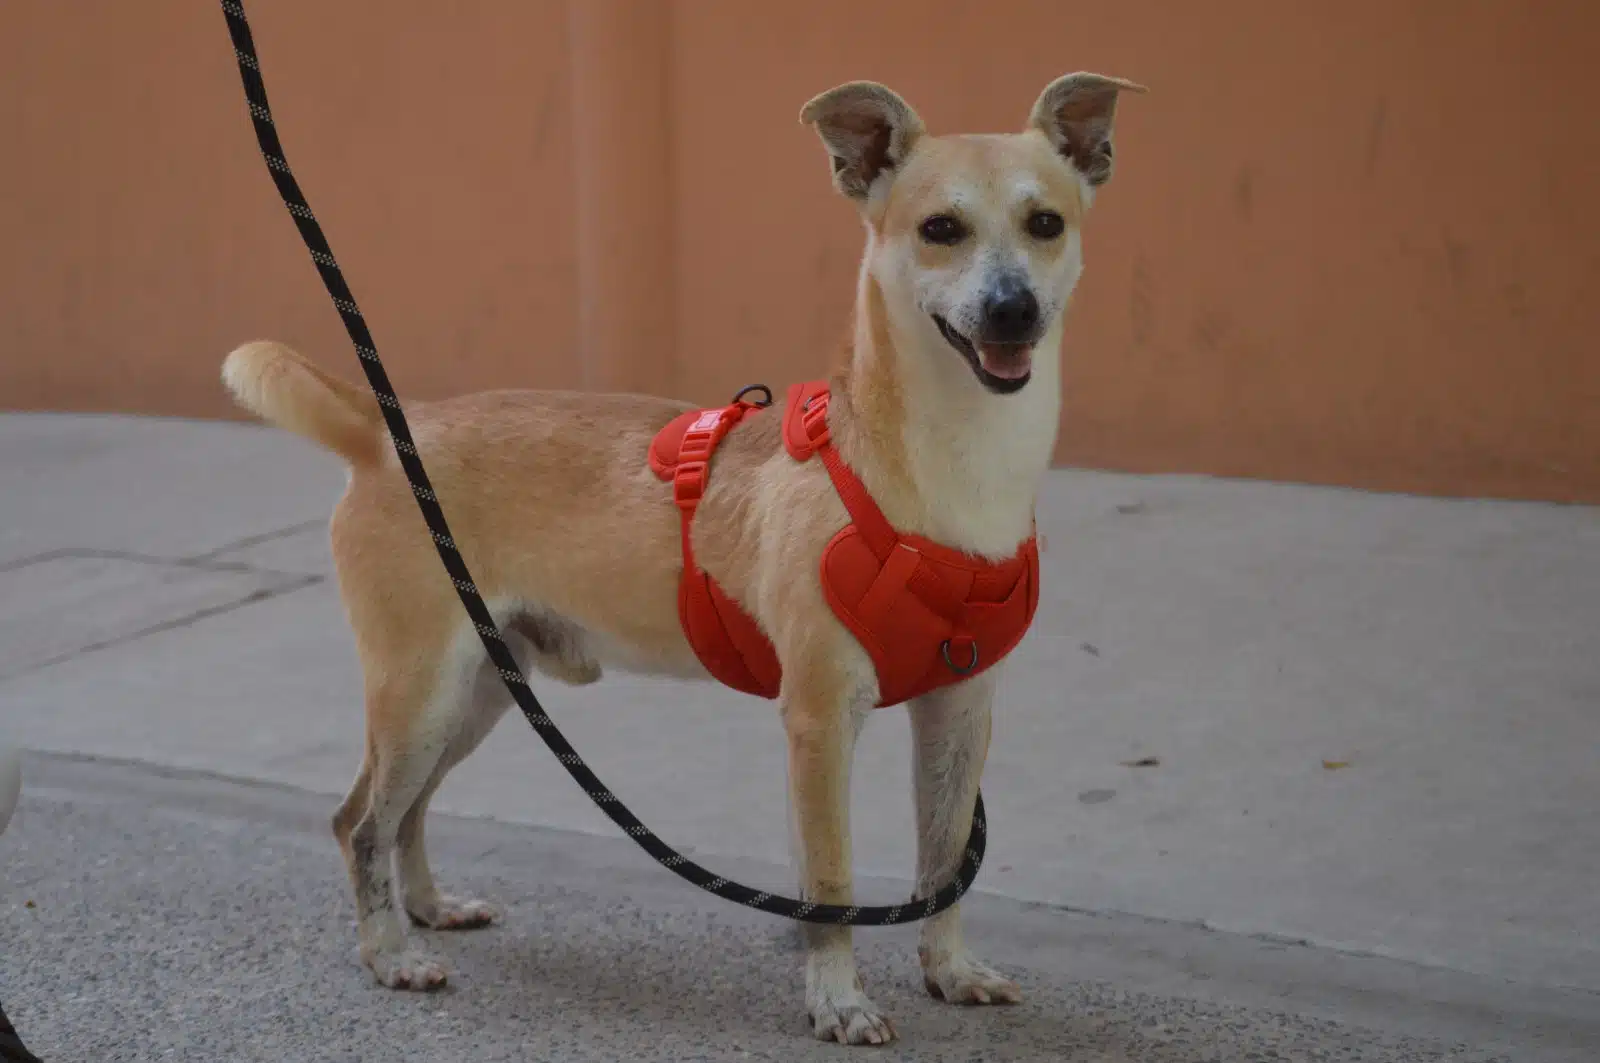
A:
<point x="407" y="969"/>
<point x="960" y="979"/>
<point x="443" y="912"/>
<point x="849" y="1018"/>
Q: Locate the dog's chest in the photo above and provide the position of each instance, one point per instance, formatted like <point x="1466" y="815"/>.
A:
<point x="979" y="485"/>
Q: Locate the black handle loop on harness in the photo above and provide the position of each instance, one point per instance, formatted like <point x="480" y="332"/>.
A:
<point x="255" y="91"/>
<point x="763" y="402"/>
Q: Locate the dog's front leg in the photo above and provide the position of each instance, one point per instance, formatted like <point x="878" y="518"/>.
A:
<point x="950" y="739"/>
<point x="819" y="719"/>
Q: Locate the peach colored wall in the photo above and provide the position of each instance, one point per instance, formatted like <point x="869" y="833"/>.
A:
<point x="1350" y="243"/>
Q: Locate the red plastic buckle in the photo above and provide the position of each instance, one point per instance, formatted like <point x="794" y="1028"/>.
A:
<point x="689" y="484"/>
<point x="814" y="419"/>
<point x="696" y="446"/>
<point x="689" y="481"/>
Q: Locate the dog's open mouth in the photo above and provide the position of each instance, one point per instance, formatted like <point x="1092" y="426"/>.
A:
<point x="1003" y="368"/>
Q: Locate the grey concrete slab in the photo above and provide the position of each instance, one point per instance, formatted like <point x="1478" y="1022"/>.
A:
<point x="147" y="915"/>
<point x="265" y="691"/>
<point x="1442" y="655"/>
<point x="59" y="606"/>
<point x="1448" y="652"/>
<point x="152" y="486"/>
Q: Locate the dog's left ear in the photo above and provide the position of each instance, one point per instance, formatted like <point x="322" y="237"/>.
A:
<point x="868" y="131"/>
<point x="1076" y="113"/>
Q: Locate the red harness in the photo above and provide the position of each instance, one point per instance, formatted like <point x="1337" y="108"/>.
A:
<point x="927" y="615"/>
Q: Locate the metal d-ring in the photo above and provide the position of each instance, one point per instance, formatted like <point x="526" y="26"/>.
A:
<point x="764" y="403"/>
<point x="944" y="651"/>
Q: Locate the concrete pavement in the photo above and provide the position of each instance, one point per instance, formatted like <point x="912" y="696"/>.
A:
<point x="1374" y="717"/>
<point x="200" y="919"/>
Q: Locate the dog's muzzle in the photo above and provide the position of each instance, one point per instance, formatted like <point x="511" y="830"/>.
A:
<point x="1004" y="367"/>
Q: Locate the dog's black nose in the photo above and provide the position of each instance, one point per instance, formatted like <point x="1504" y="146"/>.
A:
<point x="1010" y="314"/>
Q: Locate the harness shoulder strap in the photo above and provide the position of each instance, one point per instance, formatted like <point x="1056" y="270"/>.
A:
<point x="806" y="432"/>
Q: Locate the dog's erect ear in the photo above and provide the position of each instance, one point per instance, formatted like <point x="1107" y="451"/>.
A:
<point x="868" y="131"/>
<point x="1076" y="112"/>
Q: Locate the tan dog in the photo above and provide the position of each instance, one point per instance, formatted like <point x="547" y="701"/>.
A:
<point x="947" y="409"/>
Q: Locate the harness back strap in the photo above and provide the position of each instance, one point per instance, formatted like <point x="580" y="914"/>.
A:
<point x="727" y="641"/>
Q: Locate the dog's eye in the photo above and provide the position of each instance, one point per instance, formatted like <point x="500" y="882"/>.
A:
<point x="1045" y="225"/>
<point x="942" y="229"/>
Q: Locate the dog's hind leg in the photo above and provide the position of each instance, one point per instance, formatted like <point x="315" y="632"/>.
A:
<point x="413" y="717"/>
<point x="486" y="703"/>
<point x="354" y="805"/>
<point x="950" y="740"/>
<point x="540" y="642"/>
<point x="426" y="906"/>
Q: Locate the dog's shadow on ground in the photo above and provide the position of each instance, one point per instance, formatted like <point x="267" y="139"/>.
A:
<point x="745" y="992"/>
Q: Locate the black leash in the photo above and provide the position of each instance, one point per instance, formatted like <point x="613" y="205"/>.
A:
<point x="255" y="91"/>
<point x="12" y="1050"/>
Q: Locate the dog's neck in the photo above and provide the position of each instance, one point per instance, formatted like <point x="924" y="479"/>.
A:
<point x="942" y="456"/>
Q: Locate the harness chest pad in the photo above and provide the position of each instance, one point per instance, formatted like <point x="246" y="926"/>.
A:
<point x="928" y="616"/>
<point x="925" y="614"/>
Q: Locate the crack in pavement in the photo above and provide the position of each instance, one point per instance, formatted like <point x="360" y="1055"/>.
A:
<point x="290" y="583"/>
<point x="200" y="563"/>
<point x="256" y="540"/>
<point x="212" y="560"/>
<point x="209" y="559"/>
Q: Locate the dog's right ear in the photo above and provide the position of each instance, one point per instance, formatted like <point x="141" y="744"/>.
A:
<point x="868" y="131"/>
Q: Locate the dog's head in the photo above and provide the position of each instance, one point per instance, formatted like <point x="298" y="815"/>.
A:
<point x="974" y="239"/>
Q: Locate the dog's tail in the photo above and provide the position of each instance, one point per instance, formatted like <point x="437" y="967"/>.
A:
<point x="284" y="387"/>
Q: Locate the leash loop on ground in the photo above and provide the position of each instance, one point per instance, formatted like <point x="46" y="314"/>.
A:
<point x="494" y="644"/>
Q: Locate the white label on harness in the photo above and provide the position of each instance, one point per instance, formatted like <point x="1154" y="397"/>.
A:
<point x="706" y="421"/>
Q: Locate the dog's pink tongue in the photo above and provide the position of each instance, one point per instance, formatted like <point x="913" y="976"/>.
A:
<point x="1008" y="361"/>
